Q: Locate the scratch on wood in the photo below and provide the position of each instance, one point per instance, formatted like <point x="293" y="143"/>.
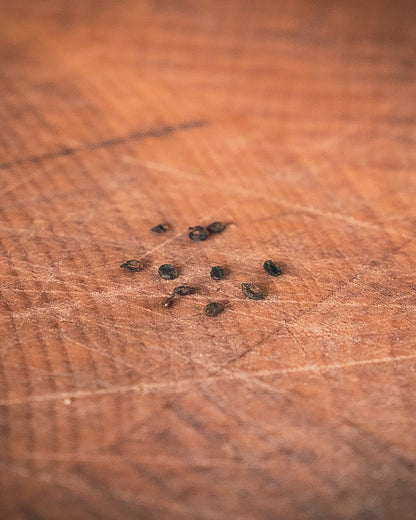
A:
<point x="114" y="359"/>
<point x="253" y="194"/>
<point x="96" y="458"/>
<point x="135" y="136"/>
<point x="341" y="286"/>
<point x="183" y="384"/>
<point x="78" y="485"/>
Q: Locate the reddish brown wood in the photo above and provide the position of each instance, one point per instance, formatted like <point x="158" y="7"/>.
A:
<point x="295" y="122"/>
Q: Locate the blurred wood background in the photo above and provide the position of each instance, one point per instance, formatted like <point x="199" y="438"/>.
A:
<point x="294" y="121"/>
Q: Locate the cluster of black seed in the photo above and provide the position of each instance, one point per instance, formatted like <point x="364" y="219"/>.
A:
<point x="168" y="271"/>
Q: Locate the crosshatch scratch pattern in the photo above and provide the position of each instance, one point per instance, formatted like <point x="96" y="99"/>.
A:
<point x="292" y="123"/>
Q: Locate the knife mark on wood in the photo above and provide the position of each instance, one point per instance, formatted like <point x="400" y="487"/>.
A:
<point x="107" y="143"/>
<point x="183" y="384"/>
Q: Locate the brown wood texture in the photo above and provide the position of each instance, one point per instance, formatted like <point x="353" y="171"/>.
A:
<point x="295" y="122"/>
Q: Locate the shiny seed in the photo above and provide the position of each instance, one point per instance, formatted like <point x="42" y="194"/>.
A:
<point x="271" y="268"/>
<point x="167" y="272"/>
<point x="216" y="227"/>
<point x="184" y="290"/>
<point x="217" y="273"/>
<point x="214" y="308"/>
<point x="132" y="265"/>
<point x="251" y="291"/>
<point x="198" y="233"/>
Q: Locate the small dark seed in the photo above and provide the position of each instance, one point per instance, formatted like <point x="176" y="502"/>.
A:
<point x="216" y="227"/>
<point x="198" y="233"/>
<point x="271" y="268"/>
<point x="161" y="228"/>
<point x="217" y="273"/>
<point x="167" y="272"/>
<point x="132" y="265"/>
<point x="184" y="290"/>
<point x="252" y="291"/>
<point x="169" y="301"/>
<point x="214" y="308"/>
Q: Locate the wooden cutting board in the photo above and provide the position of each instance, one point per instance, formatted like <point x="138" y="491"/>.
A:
<point x="295" y="124"/>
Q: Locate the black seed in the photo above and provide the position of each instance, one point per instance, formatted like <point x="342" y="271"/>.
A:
<point x="214" y="308"/>
<point x="217" y="273"/>
<point x="184" y="290"/>
<point x="198" y="233"/>
<point x="167" y="272"/>
<point x="216" y="227"/>
<point x="161" y="228"/>
<point x="169" y="301"/>
<point x="132" y="265"/>
<point x="252" y="291"/>
<point x="271" y="268"/>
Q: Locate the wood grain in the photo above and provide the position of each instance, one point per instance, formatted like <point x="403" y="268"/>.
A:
<point x="296" y="123"/>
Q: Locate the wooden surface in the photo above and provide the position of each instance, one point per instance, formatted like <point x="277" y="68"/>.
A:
<point x="295" y="121"/>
